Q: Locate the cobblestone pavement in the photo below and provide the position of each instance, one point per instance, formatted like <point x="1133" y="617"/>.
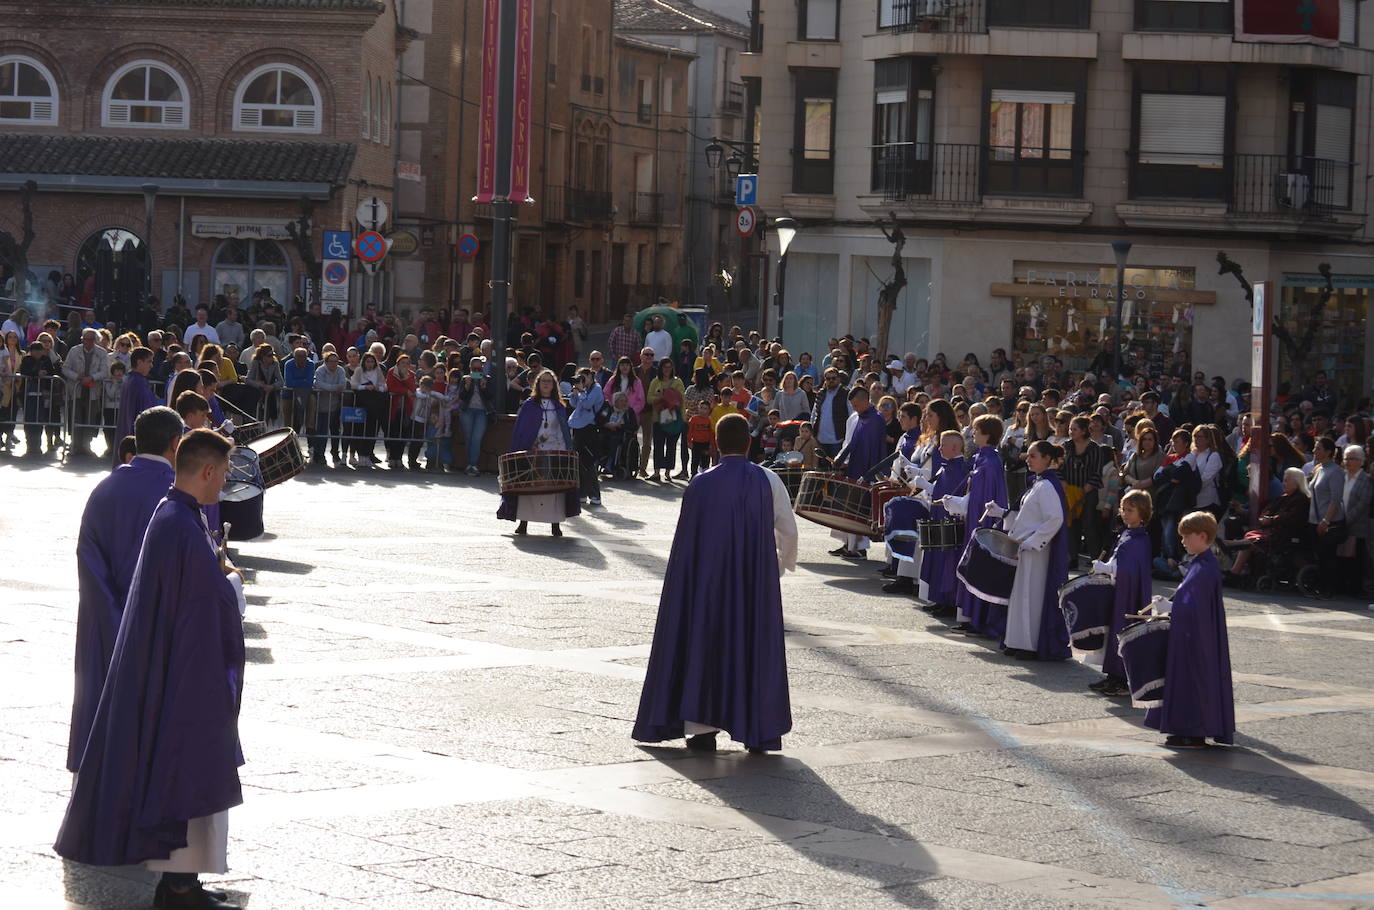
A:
<point x="437" y="715"/>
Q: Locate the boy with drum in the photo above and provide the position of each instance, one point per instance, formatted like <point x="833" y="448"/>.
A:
<point x="1198" y="702"/>
<point x="987" y="485"/>
<point x="1130" y="569"/>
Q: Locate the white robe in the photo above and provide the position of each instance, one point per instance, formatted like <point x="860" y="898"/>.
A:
<point x="545" y="507"/>
<point x="851" y="541"/>
<point x="1035" y="525"/>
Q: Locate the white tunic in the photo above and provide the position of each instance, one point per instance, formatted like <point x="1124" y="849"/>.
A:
<point x="1035" y="525"/>
<point x="545" y="507"/>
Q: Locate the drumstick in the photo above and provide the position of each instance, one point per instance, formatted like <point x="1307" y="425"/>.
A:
<point x="1139" y="615"/>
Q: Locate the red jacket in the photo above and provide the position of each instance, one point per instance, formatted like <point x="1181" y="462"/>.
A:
<point x="402" y="392"/>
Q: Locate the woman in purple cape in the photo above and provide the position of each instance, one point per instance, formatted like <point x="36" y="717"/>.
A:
<point x="541" y="425"/>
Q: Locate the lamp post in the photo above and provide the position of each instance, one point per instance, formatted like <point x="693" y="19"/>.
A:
<point x="1122" y="249"/>
<point x="741" y="161"/>
<point x="786" y="229"/>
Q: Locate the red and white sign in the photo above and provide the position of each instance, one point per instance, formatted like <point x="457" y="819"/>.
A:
<point x="745" y="219"/>
<point x="372" y="246"/>
<point x="486" y="120"/>
<point x="1289" y="21"/>
<point x="524" y="94"/>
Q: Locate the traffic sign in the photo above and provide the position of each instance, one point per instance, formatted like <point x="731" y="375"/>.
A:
<point x="372" y="247"/>
<point x="467" y="246"/>
<point x="372" y="213"/>
<point x="745" y="219"/>
<point x="747" y="189"/>
<point x="338" y="245"/>
<point x="335" y="286"/>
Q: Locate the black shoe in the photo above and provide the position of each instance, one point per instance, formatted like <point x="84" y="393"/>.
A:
<point x="702" y="742"/>
<point x="556" y="531"/>
<point x="1100" y="684"/>
<point x="523" y="528"/>
<point x="964" y="628"/>
<point x="942" y="611"/>
<point x="888" y="571"/>
<point x="1022" y="654"/>
<point x="1185" y="742"/>
<point x="899" y="586"/>
<point x="855" y="554"/>
<point x="1115" y="689"/>
<point x="839" y="551"/>
<point x="197" y="898"/>
<point x="755" y="750"/>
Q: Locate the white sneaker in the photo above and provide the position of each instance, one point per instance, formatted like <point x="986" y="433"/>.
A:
<point x="594" y="501"/>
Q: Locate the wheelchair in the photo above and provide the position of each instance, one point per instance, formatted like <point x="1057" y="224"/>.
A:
<point x="1286" y="565"/>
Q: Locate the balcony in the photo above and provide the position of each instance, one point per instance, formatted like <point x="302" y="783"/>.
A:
<point x="646" y="113"/>
<point x="586" y="205"/>
<point x="924" y="171"/>
<point x="954" y="16"/>
<point x="732" y="99"/>
<point x="646" y="208"/>
<point x="1246" y="193"/>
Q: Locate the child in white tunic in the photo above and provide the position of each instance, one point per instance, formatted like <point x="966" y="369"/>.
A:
<point x="1034" y="527"/>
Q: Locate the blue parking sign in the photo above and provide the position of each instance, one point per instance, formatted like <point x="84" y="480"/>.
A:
<point x="337" y="245"/>
<point x="747" y="189"/>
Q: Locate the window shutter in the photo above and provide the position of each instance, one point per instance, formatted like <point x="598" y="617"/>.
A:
<point x="118" y="112"/>
<point x="41" y="111"/>
<point x="174" y="115"/>
<point x="1182" y="129"/>
<point x="250" y="116"/>
<point x="1333" y="144"/>
<point x="1020" y="97"/>
<point x="305" y="119"/>
<point x="892" y="96"/>
<point x="1348" y="19"/>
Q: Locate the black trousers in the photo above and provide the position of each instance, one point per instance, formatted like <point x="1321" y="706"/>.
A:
<point x="587" y="440"/>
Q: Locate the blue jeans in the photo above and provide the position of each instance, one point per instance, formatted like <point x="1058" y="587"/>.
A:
<point x="474" y="424"/>
<point x="436" y="448"/>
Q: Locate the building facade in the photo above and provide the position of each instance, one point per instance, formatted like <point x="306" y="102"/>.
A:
<point x="1014" y="141"/>
<point x="194" y="132"/>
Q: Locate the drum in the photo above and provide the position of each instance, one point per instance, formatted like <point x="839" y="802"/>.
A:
<point x="279" y="455"/>
<point x="244" y="468"/>
<point x="836" y="502"/>
<point x="941" y="534"/>
<point x="249" y="431"/>
<point x="901" y="517"/>
<point x="1086" y="603"/>
<point x="791" y="476"/>
<point x="240" y="505"/>
<point x="884" y="491"/>
<point x="1144" y="648"/>
<point x="988" y="566"/>
<point x="537" y="473"/>
<point x="1016" y="488"/>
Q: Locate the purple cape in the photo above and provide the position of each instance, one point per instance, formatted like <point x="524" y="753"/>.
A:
<point x="938" y="566"/>
<point x="907" y="444"/>
<point x="163" y="747"/>
<point x="112" y="529"/>
<point x="1197" y="676"/>
<point x="1052" y="642"/>
<point x="867" y="446"/>
<point x="135" y="397"/>
<point x="718" y="656"/>
<point x="987" y="483"/>
<point x="527" y="422"/>
<point x="1133" y="591"/>
<point x="901" y="514"/>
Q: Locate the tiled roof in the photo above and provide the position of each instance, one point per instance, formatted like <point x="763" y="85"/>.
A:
<point x="671" y="16"/>
<point x="370" y="6"/>
<point x="177" y="159"/>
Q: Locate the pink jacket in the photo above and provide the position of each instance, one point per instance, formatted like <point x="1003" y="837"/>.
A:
<point x="635" y="393"/>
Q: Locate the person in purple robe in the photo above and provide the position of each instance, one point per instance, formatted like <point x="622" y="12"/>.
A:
<point x="1035" y="627"/>
<point x="987" y="483"/>
<point x="938" y="566"/>
<point x="899" y="520"/>
<point x="541" y="425"/>
<point x="112" y="528"/>
<point x="1130" y="567"/>
<point x="135" y="397"/>
<point x="1198" y="702"/>
<point x="865" y="447"/>
<point x="160" y="770"/>
<point x="718" y="660"/>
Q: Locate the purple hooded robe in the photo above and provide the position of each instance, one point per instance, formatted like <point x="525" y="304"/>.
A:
<point x="527" y="422"/>
<point x="135" y="397"/>
<point x="112" y="528"/>
<point x="987" y="483"/>
<point x="938" y="566"/>
<point x="867" y="447"/>
<point x="718" y="656"/>
<point x="1197" y="676"/>
<point x="164" y="745"/>
<point x="1133" y="591"/>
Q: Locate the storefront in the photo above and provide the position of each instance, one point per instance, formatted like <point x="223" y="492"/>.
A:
<point x="1343" y="346"/>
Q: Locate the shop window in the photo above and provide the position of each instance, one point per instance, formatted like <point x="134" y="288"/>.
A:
<point x="813" y="155"/>
<point x="148" y="95"/>
<point x="1184" y="15"/>
<point x="28" y="92"/>
<point x="1342" y="338"/>
<point x="278" y="98"/>
<point x="250" y="265"/>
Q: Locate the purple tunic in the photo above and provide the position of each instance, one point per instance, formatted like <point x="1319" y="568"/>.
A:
<point x="528" y="420"/>
<point x="1197" y="676"/>
<point x="1052" y="642"/>
<point x="135" y="397"/>
<point x="938" y="566"/>
<point x="1133" y="591"/>
<point x="112" y="529"/>
<point x="163" y="747"/>
<point x="718" y="656"/>
<point x="987" y="483"/>
<point x="867" y="446"/>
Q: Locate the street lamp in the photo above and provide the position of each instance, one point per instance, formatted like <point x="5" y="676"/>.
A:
<point x="733" y="165"/>
<point x="786" y="229"/>
<point x="713" y="153"/>
<point x="1122" y="249"/>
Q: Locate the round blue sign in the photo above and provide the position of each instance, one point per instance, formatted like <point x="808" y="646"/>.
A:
<point x="335" y="273"/>
<point x="467" y="246"/>
<point x="371" y="246"/>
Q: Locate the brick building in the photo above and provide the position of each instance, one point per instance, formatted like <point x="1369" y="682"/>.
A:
<point x="216" y="122"/>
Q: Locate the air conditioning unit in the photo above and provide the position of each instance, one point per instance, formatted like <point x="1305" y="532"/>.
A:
<point x="1290" y="190"/>
<point x="924" y="8"/>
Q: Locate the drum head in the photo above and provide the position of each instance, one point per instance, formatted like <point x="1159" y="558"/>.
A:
<point x="997" y="543"/>
<point x="237" y="491"/>
<point x="269" y="441"/>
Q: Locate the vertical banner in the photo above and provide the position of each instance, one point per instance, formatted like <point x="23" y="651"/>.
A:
<point x="486" y="118"/>
<point x="524" y="90"/>
<point x="1289" y="21"/>
<point x="1262" y="310"/>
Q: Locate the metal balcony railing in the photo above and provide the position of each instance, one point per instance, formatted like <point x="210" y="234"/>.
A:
<point x="646" y="208"/>
<point x="1253" y="186"/>
<point x="587" y="205"/>
<point x="958" y="16"/>
<point x="646" y="113"/>
<point x="932" y="171"/>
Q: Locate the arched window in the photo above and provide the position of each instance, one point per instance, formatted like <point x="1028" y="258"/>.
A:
<point x="377" y="111"/>
<point x="146" y="94"/>
<point x="367" y="106"/>
<point x="386" y="115"/>
<point x="28" y="92"/>
<point x="246" y="266"/>
<point x="280" y="98"/>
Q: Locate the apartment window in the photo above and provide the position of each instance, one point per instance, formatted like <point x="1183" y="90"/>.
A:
<point x="818" y="20"/>
<point x="588" y="54"/>
<point x="813" y="155"/>
<point x="646" y="100"/>
<point x="367" y="106"/>
<point x="1182" y="128"/>
<point x="903" y="114"/>
<point x="1032" y="133"/>
<point x="552" y="69"/>
<point x="28" y="92"/>
<point x="580" y="274"/>
<point x="1350" y="22"/>
<point x="278" y="98"/>
<point x="599" y="81"/>
<point x="377" y="109"/>
<point x="146" y="94"/>
<point x="1039" y="13"/>
<point x="1321" y="130"/>
<point x="1185" y="15"/>
<point x="386" y="114"/>
<point x="667" y="105"/>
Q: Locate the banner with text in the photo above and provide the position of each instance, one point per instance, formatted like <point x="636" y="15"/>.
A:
<point x="504" y="119"/>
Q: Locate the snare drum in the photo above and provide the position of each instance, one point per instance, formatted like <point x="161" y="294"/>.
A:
<point x="1086" y="603"/>
<point x="988" y="566"/>
<point x="537" y="473"/>
<point x="884" y="491"/>
<point x="1144" y="648"/>
<point x="244" y="467"/>
<point x="249" y="431"/>
<point x="836" y="502"/>
<point x="240" y="505"/>
<point x="941" y="534"/>
<point x="279" y="455"/>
